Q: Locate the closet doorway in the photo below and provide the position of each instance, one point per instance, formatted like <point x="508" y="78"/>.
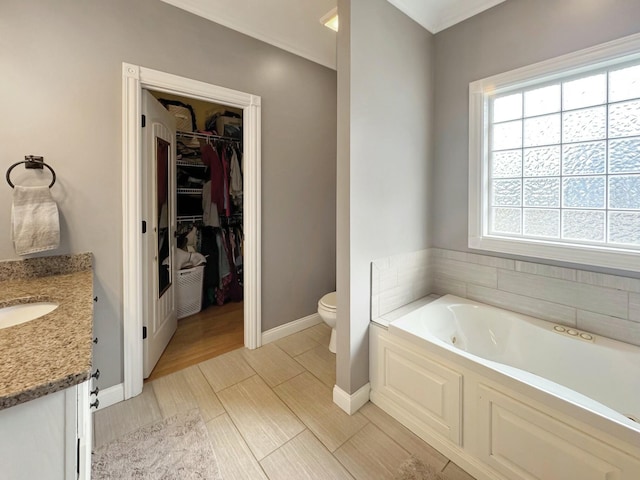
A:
<point x="208" y="218"/>
<point x="135" y="80"/>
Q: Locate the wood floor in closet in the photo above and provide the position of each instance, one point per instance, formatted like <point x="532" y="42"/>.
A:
<point x="212" y="332"/>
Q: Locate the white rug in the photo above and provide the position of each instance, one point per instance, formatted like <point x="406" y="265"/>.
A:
<point x="176" y="448"/>
<point x="415" y="469"/>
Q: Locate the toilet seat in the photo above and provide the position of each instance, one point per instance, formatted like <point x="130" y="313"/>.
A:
<point x="328" y="301"/>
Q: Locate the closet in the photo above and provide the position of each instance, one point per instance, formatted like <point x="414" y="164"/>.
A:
<point x="209" y="212"/>
<point x="209" y="231"/>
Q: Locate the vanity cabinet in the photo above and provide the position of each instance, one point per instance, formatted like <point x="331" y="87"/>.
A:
<point x="48" y="438"/>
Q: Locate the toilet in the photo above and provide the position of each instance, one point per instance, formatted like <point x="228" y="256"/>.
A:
<point x="327" y="311"/>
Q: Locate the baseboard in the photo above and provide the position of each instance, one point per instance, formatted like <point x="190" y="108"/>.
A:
<point x="351" y="403"/>
<point x="110" y="396"/>
<point x="290" y="328"/>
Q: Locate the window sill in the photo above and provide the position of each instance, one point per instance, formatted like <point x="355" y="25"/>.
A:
<point x="608" y="257"/>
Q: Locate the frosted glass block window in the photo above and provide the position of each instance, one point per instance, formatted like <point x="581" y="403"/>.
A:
<point x="542" y="192"/>
<point x="507" y="135"/>
<point x="583" y="192"/>
<point x="564" y="157"/>
<point x="542" y="162"/>
<point x="507" y="193"/>
<point x="506" y="164"/>
<point x="624" y="228"/>
<point x="584" y="124"/>
<point x="543" y="130"/>
<point x="507" y="220"/>
<point x="541" y="223"/>
<point x="584" y="92"/>
<point x="624" y="192"/>
<point x="584" y="158"/>
<point x="624" y="84"/>
<point x="624" y="119"/>
<point x="624" y="155"/>
<point x="585" y="225"/>
<point x="542" y="100"/>
<point x="507" y="108"/>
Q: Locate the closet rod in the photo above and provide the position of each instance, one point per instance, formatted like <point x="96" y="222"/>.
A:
<point x="206" y="136"/>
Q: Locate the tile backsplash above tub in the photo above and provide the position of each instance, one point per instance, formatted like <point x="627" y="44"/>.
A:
<point x="399" y="280"/>
<point x="607" y="305"/>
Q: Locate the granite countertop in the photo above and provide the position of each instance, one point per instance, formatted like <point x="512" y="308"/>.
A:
<point x="52" y="352"/>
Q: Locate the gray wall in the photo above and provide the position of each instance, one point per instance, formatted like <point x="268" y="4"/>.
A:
<point x="511" y="35"/>
<point x="384" y="156"/>
<point x="60" y="91"/>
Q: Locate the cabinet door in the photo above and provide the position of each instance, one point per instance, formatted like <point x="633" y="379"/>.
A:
<point x="38" y="438"/>
<point x="84" y="432"/>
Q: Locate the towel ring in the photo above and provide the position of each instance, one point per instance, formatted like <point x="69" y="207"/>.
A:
<point x="31" y="161"/>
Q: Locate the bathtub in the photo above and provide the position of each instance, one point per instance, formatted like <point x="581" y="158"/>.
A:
<point x="509" y="396"/>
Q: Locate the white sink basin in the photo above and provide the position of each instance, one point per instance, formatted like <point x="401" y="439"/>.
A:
<point x="17" y="314"/>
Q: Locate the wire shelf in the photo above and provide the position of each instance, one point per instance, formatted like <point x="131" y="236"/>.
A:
<point x="189" y="191"/>
<point x="207" y="137"/>
<point x="187" y="163"/>
<point x="189" y="218"/>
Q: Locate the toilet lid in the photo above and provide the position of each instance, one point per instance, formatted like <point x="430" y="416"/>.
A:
<point x="329" y="301"/>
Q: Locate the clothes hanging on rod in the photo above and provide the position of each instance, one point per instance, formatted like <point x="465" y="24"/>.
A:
<point x="217" y="232"/>
<point x="210" y="215"/>
<point x="223" y="279"/>
<point x="225" y="178"/>
<point x="216" y="178"/>
<point x="236" y="178"/>
<point x="230" y="287"/>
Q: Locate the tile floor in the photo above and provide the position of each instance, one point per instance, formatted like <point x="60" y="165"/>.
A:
<point x="270" y="415"/>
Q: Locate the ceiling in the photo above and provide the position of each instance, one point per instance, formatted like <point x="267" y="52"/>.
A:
<point x="294" y="25"/>
<point x="436" y="15"/>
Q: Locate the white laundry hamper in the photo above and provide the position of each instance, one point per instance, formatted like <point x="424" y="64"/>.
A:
<point x="189" y="291"/>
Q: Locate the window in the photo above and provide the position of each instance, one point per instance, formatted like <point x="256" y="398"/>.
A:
<point x="555" y="158"/>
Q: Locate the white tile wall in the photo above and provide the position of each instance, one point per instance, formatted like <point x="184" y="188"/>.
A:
<point x="399" y="280"/>
<point x="634" y="307"/>
<point x="612" y="327"/>
<point x="607" y="301"/>
<point x="503" y="263"/>
<point x="547" y="270"/>
<point x="466" y="272"/>
<point x="442" y="286"/>
<point x="535" y="307"/>
<point x="621" y="283"/>
<point x="607" y="305"/>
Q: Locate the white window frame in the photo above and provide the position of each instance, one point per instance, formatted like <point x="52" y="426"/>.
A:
<point x="623" y="50"/>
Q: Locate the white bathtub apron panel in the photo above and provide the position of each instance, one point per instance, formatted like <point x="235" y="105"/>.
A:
<point x="522" y="442"/>
<point x="429" y="389"/>
<point x="498" y="421"/>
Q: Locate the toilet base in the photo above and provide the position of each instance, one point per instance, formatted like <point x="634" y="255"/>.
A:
<point x="332" y="342"/>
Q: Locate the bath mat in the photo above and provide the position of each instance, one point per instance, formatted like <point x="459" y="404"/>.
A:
<point x="176" y="448"/>
<point x="414" y="469"/>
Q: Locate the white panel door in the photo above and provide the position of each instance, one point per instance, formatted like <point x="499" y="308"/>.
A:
<point x="159" y="212"/>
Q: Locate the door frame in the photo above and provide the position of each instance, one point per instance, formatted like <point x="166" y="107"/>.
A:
<point x="134" y="79"/>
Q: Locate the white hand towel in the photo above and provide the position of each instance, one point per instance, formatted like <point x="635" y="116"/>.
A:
<point x="35" y="224"/>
